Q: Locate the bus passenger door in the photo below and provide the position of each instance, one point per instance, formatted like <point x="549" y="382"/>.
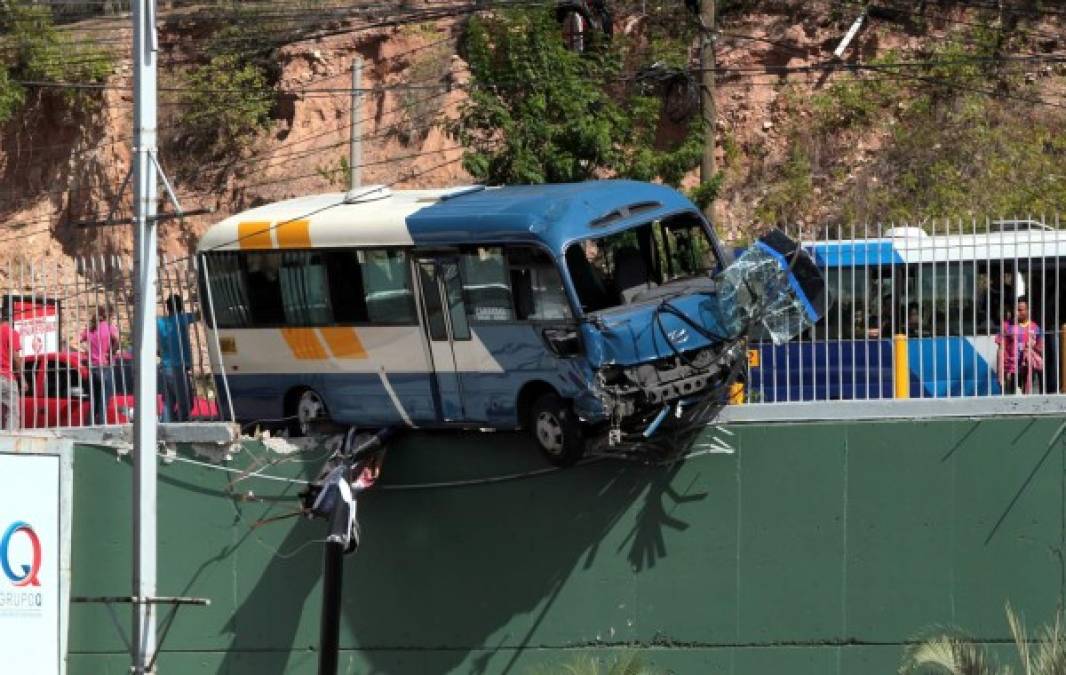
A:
<point x="445" y="325"/>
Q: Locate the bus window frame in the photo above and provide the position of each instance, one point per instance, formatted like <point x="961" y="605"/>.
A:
<point x="207" y="274"/>
<point x="505" y="246"/>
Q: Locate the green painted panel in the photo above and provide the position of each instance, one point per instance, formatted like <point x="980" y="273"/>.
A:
<point x="1008" y="522"/>
<point x="900" y="546"/>
<point x="809" y="537"/>
<point x="792" y="534"/>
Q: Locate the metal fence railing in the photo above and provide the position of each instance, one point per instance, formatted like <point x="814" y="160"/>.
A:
<point x="944" y="309"/>
<point x="66" y="345"/>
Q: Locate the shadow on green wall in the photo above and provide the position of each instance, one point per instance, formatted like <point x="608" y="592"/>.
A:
<point x="446" y="568"/>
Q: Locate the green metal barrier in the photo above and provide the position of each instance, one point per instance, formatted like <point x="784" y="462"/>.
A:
<point x="813" y="548"/>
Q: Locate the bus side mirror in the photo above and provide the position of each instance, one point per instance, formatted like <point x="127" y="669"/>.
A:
<point x="563" y="341"/>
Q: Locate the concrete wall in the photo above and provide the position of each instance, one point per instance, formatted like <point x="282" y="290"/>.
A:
<point x="817" y="548"/>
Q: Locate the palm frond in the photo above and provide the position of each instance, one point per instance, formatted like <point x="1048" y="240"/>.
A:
<point x="1050" y="658"/>
<point x="950" y="655"/>
<point x="1021" y="639"/>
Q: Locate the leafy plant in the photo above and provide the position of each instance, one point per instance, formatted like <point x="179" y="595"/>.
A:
<point x="227" y="100"/>
<point x="32" y="49"/>
<point x="704" y="194"/>
<point x="540" y="113"/>
<point x="956" y="655"/>
<point x="12" y="96"/>
<point x="225" y="105"/>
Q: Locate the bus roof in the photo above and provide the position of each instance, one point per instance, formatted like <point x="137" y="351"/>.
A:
<point x="553" y="215"/>
<point x="913" y="245"/>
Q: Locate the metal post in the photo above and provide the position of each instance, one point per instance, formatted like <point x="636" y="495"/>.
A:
<point x="355" y="145"/>
<point x="332" y="586"/>
<point x="145" y="47"/>
<point x="707" y="164"/>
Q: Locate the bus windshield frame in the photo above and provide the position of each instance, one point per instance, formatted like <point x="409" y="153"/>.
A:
<point x="621" y="267"/>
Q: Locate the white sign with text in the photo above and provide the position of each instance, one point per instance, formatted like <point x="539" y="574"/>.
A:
<point x="30" y="555"/>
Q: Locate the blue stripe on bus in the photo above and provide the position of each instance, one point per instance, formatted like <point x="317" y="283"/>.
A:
<point x="822" y="371"/>
<point x="949" y="366"/>
<point x="858" y="253"/>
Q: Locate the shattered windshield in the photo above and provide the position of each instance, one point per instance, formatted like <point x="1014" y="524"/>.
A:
<point x="615" y="269"/>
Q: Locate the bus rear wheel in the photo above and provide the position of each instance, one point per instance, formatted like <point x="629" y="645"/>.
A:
<point x="556" y="430"/>
<point x="309" y="413"/>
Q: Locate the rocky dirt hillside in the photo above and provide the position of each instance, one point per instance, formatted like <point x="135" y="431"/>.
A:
<point x="798" y="144"/>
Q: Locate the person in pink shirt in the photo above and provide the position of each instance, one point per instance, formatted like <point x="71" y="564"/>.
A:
<point x="1020" y="354"/>
<point x="101" y="338"/>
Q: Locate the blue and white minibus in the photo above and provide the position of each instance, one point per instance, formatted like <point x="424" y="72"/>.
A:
<point x="919" y="313"/>
<point x="558" y="308"/>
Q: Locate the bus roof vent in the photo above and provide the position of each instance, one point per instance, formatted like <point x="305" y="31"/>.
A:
<point x="905" y="233"/>
<point x="1017" y="225"/>
<point x="459" y="192"/>
<point x="370" y="193"/>
<point x="624" y="212"/>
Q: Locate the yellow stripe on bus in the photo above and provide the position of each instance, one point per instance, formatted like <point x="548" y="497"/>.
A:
<point x="254" y="234"/>
<point x="343" y="343"/>
<point x="293" y="234"/>
<point x="303" y="343"/>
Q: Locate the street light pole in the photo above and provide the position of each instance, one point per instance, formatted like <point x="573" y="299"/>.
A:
<point x="145" y="51"/>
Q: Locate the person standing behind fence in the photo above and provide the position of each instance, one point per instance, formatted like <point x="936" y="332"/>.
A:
<point x="1020" y="353"/>
<point x="175" y="356"/>
<point x="102" y="339"/>
<point x="10" y="376"/>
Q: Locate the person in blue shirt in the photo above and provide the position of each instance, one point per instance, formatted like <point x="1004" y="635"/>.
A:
<point x="175" y="360"/>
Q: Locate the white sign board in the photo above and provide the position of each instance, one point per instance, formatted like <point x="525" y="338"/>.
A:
<point x="38" y="325"/>
<point x="31" y="594"/>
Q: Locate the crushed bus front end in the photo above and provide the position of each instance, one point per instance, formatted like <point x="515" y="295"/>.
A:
<point x="667" y="361"/>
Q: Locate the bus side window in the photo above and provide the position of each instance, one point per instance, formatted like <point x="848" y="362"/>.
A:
<point x="346" y="292"/>
<point x="485" y="287"/>
<point x="427" y="272"/>
<point x="229" y="292"/>
<point x="264" y="289"/>
<point x="538" y="288"/>
<point x="387" y="280"/>
<point x="305" y="290"/>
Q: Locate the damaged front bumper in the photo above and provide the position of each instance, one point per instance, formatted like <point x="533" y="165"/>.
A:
<point x="633" y="397"/>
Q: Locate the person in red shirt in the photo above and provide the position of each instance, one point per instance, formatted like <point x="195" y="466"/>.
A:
<point x="10" y="376"/>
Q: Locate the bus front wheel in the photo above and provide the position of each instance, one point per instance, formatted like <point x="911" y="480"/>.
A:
<point x="556" y="430"/>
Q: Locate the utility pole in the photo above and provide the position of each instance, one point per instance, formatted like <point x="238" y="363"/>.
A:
<point x="707" y="40"/>
<point x="355" y="143"/>
<point x="146" y="173"/>
<point x="145" y="51"/>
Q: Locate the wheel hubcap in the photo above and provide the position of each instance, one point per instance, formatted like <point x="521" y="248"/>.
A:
<point x="550" y="433"/>
<point x="308" y="410"/>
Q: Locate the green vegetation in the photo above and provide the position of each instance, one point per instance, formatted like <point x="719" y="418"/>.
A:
<point x="628" y="663"/>
<point x="964" y="135"/>
<point x="228" y="100"/>
<point x="420" y="109"/>
<point x="956" y="655"/>
<point x="975" y="156"/>
<point x="791" y="196"/>
<point x="540" y="113"/>
<point x="33" y="50"/>
<point x="704" y="194"/>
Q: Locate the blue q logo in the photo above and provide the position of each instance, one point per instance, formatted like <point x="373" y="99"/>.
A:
<point x="28" y="577"/>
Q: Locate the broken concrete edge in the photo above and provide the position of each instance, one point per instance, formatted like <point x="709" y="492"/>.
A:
<point x="215" y="442"/>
